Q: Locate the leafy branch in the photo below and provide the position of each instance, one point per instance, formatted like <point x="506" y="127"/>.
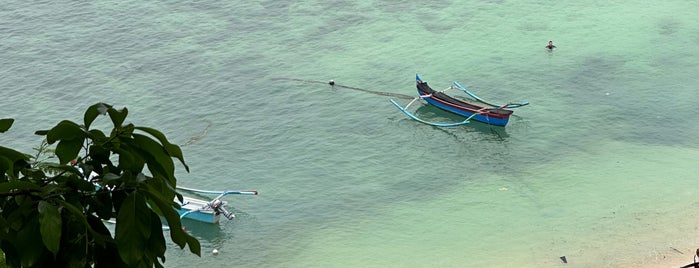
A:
<point x="53" y="213"/>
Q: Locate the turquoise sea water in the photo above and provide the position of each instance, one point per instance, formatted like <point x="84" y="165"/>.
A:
<point x="600" y="168"/>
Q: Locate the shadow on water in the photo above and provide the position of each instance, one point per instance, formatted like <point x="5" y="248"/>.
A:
<point x="605" y="89"/>
<point x="205" y="232"/>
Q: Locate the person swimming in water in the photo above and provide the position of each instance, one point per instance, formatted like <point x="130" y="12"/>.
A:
<point x="550" y="46"/>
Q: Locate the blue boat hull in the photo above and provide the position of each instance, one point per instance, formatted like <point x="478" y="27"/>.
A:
<point x="202" y="216"/>
<point x="479" y="117"/>
<point x="198" y="210"/>
<point x="480" y="112"/>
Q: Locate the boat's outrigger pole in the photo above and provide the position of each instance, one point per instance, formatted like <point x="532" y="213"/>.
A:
<point x="217" y="192"/>
<point x="476" y="109"/>
<point x="508" y="105"/>
<point x="411" y="115"/>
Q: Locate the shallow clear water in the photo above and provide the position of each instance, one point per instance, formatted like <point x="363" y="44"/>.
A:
<point x="599" y="168"/>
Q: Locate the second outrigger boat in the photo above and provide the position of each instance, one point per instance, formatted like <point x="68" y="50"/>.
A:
<point x="476" y="109"/>
<point x="207" y="211"/>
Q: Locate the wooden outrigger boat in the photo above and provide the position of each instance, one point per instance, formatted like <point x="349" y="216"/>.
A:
<point x="476" y="109"/>
<point x="206" y="211"/>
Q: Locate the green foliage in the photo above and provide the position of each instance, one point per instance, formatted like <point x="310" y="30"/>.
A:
<point x="53" y="214"/>
<point x="5" y="124"/>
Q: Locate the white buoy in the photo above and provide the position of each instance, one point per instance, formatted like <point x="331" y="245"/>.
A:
<point x="215" y="252"/>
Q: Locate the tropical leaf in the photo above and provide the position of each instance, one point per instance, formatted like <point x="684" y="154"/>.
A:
<point x="16" y="185"/>
<point x="119" y="134"/>
<point x="171" y="149"/>
<point x="93" y="111"/>
<point x="67" y="150"/>
<point x="117" y="116"/>
<point x="103" y="204"/>
<point x="9" y="159"/>
<point x="132" y="228"/>
<point x="102" y="235"/>
<point x="55" y="219"/>
<point x="12" y="154"/>
<point x="178" y="236"/>
<point x="156" y="241"/>
<point x="50" y="226"/>
<point x="159" y="162"/>
<point x="130" y="161"/>
<point x="28" y="238"/>
<point x="99" y="153"/>
<point x="194" y="245"/>
<point x="97" y="135"/>
<point x="64" y="130"/>
<point x="5" y="124"/>
<point x="6" y="168"/>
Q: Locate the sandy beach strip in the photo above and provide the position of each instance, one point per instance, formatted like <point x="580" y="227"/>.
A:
<point x="673" y="258"/>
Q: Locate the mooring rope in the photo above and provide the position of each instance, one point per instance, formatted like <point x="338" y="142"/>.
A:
<point x="381" y="93"/>
<point x="199" y="136"/>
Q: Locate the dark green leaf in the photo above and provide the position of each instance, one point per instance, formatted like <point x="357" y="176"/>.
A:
<point x="132" y="228"/>
<point x="84" y="185"/>
<point x="12" y="161"/>
<point x="97" y="136"/>
<point x="156" y="243"/>
<point x="76" y="213"/>
<point x="163" y="188"/>
<point x="50" y="222"/>
<point x="6" y="167"/>
<point x="159" y="162"/>
<point x="92" y="113"/>
<point x="155" y="199"/>
<point x="13" y="155"/>
<point x="118" y="116"/>
<point x="194" y="245"/>
<point x="29" y="237"/>
<point x="126" y="131"/>
<point x="129" y="161"/>
<point x="106" y="254"/>
<point x="62" y="168"/>
<point x="103" y="204"/>
<point x="56" y="221"/>
<point x="5" y="124"/>
<point x="13" y="186"/>
<point x="111" y="178"/>
<point x="101" y="234"/>
<point x="67" y="150"/>
<point x="65" y="130"/>
<point x="171" y="149"/>
<point x="99" y="153"/>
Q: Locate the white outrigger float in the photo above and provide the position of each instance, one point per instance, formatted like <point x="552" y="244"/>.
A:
<point x="206" y="211"/>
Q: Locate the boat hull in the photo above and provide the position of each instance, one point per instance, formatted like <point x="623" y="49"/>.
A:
<point x="483" y="113"/>
<point x="485" y="118"/>
<point x="192" y="209"/>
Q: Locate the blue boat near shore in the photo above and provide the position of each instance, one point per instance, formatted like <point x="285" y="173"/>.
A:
<point x="206" y="211"/>
<point x="476" y="109"/>
<point x="197" y="209"/>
